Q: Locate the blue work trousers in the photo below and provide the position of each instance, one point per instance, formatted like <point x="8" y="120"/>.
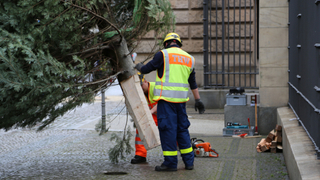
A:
<point x="173" y="124"/>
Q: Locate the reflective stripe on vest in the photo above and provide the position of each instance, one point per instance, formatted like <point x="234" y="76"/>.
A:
<point x="151" y="102"/>
<point x="174" y="88"/>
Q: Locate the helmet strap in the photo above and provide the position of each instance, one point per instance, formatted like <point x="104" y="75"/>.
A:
<point x="167" y="44"/>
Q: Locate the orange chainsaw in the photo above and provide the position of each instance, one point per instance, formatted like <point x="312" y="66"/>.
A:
<point x="203" y="149"/>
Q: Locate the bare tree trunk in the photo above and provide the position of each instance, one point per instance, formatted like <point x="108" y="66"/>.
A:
<point x="135" y="99"/>
<point x="125" y="60"/>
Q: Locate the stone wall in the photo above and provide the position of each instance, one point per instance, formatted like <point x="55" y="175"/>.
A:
<point x="189" y="25"/>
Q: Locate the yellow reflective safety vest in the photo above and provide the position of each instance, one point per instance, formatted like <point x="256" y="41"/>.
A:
<point x="174" y="85"/>
<point x="151" y="102"/>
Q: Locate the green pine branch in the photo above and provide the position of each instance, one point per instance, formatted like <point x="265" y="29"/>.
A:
<point x="54" y="55"/>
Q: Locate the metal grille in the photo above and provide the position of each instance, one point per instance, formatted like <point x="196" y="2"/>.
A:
<point x="230" y="43"/>
<point x="304" y="66"/>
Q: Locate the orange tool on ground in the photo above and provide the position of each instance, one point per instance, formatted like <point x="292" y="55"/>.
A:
<point x="203" y="149"/>
<point x="244" y="135"/>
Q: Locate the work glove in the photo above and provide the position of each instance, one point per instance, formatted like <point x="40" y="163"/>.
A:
<point x="199" y="105"/>
<point x="138" y="66"/>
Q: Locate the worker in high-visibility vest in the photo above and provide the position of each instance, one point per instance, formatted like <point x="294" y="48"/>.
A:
<point x="175" y="73"/>
<point x="147" y="87"/>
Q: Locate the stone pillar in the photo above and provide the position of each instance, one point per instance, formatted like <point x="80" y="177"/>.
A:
<point x="273" y="57"/>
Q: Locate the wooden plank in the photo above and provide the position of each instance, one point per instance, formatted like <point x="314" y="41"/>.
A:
<point x="255" y="136"/>
<point x="264" y="148"/>
<point x="262" y="142"/>
<point x="279" y="133"/>
<point x="271" y="135"/>
<point x="258" y="149"/>
<point x="279" y="139"/>
<point x="268" y="144"/>
<point x="273" y="149"/>
<point x="278" y="127"/>
<point x="139" y="111"/>
<point x="273" y="146"/>
<point x="268" y="139"/>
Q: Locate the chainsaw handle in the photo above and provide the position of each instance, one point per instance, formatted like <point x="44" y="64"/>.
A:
<point x="214" y="151"/>
<point x="193" y="140"/>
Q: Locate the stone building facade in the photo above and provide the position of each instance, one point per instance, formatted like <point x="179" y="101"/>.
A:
<point x="272" y="62"/>
<point x="273" y="65"/>
<point x="189" y="25"/>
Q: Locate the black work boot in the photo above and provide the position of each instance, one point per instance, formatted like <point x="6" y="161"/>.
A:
<point x="164" y="168"/>
<point x="138" y="159"/>
<point x="189" y="167"/>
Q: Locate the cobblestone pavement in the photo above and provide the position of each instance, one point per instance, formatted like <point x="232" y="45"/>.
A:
<point x="71" y="149"/>
<point x="88" y="113"/>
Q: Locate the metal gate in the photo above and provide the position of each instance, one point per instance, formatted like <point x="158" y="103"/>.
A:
<point x="304" y="66"/>
<point x="230" y="43"/>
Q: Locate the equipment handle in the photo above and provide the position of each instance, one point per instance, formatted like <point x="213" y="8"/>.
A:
<point x="199" y="140"/>
<point x="214" y="151"/>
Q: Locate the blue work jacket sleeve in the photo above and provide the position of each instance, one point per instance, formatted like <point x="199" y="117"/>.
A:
<point x="192" y="80"/>
<point x="154" y="64"/>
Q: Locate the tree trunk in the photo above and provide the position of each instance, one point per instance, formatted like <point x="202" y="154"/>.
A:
<point x="125" y="60"/>
<point x="135" y="99"/>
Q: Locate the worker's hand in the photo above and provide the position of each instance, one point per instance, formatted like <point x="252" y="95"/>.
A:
<point x="199" y="105"/>
<point x="138" y="66"/>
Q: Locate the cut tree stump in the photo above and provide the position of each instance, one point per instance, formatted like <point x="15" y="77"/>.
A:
<point x="139" y="111"/>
